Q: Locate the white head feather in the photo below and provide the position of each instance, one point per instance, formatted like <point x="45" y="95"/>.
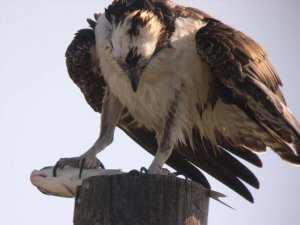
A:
<point x="144" y="42"/>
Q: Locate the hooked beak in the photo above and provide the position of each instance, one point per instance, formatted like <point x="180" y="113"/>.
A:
<point x="134" y="77"/>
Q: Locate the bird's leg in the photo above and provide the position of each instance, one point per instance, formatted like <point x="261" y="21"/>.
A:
<point x="164" y="151"/>
<point x="110" y="116"/>
<point x="167" y="139"/>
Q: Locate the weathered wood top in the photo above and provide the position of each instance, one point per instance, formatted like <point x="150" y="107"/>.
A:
<point x="141" y="199"/>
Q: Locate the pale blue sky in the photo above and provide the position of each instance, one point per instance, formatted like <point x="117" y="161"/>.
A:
<point x="43" y="116"/>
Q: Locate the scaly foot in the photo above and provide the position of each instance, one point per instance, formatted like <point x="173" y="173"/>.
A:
<point x="151" y="170"/>
<point x="82" y="162"/>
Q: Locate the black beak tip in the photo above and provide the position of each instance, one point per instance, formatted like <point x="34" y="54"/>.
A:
<point x="134" y="85"/>
<point x="134" y="89"/>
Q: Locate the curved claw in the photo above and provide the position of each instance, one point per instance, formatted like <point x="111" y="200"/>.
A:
<point x="55" y="169"/>
<point x="144" y="170"/>
<point x="73" y="162"/>
<point x="134" y="172"/>
<point x="78" y="162"/>
<point x="102" y="166"/>
<point x="81" y="166"/>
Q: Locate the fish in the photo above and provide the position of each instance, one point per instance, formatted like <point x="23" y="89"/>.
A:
<point x="66" y="181"/>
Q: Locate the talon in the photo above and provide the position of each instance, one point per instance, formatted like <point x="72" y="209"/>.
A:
<point x="153" y="169"/>
<point x="61" y="163"/>
<point x="55" y="169"/>
<point x="144" y="170"/>
<point x="90" y="162"/>
<point x="134" y="172"/>
<point x="101" y="165"/>
<point x="81" y="166"/>
<point x="82" y="162"/>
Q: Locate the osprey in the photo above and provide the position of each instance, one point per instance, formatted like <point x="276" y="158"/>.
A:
<point x="189" y="89"/>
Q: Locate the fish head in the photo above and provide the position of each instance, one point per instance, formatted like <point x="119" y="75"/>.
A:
<point x="64" y="184"/>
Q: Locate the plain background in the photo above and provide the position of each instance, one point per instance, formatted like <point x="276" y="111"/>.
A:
<point x="43" y="115"/>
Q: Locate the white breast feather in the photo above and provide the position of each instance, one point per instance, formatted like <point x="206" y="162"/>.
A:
<point x="172" y="69"/>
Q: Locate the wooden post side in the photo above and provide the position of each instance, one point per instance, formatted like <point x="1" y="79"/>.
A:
<point x="130" y="199"/>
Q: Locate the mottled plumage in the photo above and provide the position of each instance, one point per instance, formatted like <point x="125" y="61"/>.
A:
<point x="187" y="85"/>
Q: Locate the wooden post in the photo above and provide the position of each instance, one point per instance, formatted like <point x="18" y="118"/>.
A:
<point x="140" y="199"/>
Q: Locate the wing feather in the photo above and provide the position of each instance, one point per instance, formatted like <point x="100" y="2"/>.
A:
<point x="82" y="69"/>
<point x="216" y="167"/>
<point x="245" y="78"/>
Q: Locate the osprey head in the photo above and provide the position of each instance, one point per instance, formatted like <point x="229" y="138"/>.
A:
<point x="138" y="33"/>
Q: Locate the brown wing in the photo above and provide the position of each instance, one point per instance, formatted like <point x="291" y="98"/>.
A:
<point x="83" y="70"/>
<point x="249" y="88"/>
<point x="86" y="73"/>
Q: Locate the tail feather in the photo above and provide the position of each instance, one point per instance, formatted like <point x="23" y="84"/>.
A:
<point x="217" y="195"/>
